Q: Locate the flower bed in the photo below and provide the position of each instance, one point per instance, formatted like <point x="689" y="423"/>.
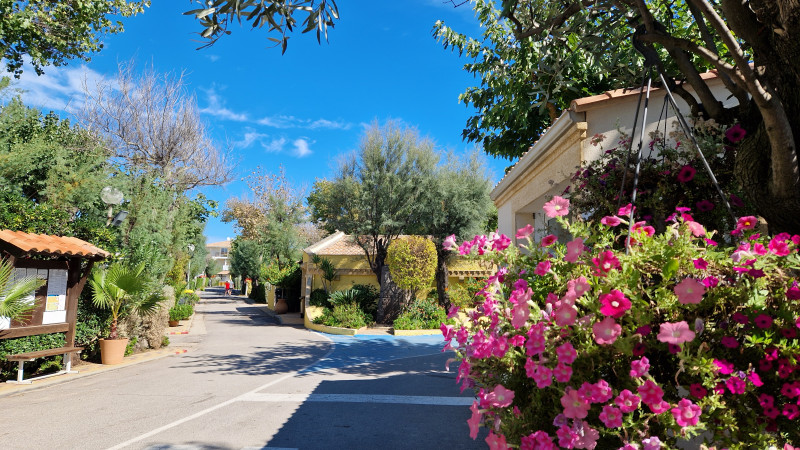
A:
<point x="581" y="345"/>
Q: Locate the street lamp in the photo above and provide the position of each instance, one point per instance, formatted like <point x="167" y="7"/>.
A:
<point x="189" y="264"/>
<point x="112" y="196"/>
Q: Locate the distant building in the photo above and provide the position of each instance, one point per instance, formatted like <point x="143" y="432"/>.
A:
<point x="220" y="251"/>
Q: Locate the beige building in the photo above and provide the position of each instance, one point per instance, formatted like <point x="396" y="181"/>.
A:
<point x="546" y="168"/>
<point x="352" y="266"/>
<point x="220" y="252"/>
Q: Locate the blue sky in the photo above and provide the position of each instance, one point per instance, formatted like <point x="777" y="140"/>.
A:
<point x="304" y="109"/>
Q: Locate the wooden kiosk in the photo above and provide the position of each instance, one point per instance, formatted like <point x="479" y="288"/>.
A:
<point x="64" y="263"/>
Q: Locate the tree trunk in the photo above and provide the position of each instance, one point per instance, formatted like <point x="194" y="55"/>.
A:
<point x="391" y="301"/>
<point x="441" y="277"/>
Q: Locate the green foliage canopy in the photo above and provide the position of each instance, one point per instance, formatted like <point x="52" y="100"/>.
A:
<point x="53" y="32"/>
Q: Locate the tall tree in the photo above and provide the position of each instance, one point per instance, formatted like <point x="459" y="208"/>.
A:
<point x="153" y="127"/>
<point x="456" y="202"/>
<point x="376" y="195"/>
<point x="751" y="43"/>
<point x="54" y="32"/>
<point x="274" y="217"/>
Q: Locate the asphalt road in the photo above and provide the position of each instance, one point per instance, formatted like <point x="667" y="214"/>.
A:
<point x="249" y="383"/>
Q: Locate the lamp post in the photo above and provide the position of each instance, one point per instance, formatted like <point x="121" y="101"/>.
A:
<point x="112" y="196"/>
<point x="189" y="264"/>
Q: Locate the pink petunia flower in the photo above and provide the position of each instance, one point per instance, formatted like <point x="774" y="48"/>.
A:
<point x="779" y="247"/>
<point x="496" y="441"/>
<point x="736" y="385"/>
<point x="658" y="407"/>
<point x="686" y="174"/>
<point x="500" y="397"/>
<point x="639" y="367"/>
<point x="562" y="373"/>
<point x="697" y="390"/>
<point x="700" y="264"/>
<point x="474" y="422"/>
<point x="606" y="331"/>
<point x="542" y="268"/>
<point x="575" y="406"/>
<point x="548" y="240"/>
<point x="729" y="342"/>
<point x="520" y="315"/>
<point x="614" y="304"/>
<point x="689" y="290"/>
<point x="558" y="206"/>
<point x="625" y="210"/>
<point x="605" y="262"/>
<point x="763" y="321"/>
<point x="740" y="318"/>
<point x="566" y="353"/>
<point x="524" y="232"/>
<point x="574" y="250"/>
<point x="578" y="287"/>
<point x="696" y="229"/>
<point x="735" y="133"/>
<point x="611" y="416"/>
<point x="746" y="223"/>
<point x="675" y="333"/>
<point x="724" y="367"/>
<point x="627" y="401"/>
<point x="704" y="206"/>
<point x="651" y="443"/>
<point x="610" y="221"/>
<point x="686" y="413"/>
<point x="566" y="315"/>
<point x="450" y="242"/>
<point x="793" y="293"/>
<point x="501" y="242"/>
<point x="790" y="411"/>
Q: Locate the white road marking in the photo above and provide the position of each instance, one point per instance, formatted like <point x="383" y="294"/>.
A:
<point x="359" y="398"/>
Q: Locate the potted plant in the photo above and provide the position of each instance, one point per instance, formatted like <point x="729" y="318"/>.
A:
<point x="181" y="311"/>
<point x="121" y="289"/>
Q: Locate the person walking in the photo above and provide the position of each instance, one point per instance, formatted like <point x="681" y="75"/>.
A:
<point x="227" y="287"/>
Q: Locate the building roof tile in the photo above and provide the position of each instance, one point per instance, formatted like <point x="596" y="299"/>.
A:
<point x="47" y="245"/>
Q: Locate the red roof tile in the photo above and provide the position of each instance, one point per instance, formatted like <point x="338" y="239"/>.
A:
<point x="43" y="244"/>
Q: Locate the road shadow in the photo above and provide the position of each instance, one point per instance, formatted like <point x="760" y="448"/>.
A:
<point x="419" y="408"/>
<point x="281" y="358"/>
<point x="243" y="315"/>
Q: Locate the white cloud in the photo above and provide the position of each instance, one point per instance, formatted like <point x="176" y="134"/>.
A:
<point x="275" y="145"/>
<point x="284" y="122"/>
<point x="212" y="58"/>
<point x="329" y="124"/>
<point x="59" y="88"/>
<point x="301" y="148"/>
<point x="215" y="108"/>
<point x="279" y="121"/>
<point x="250" y="137"/>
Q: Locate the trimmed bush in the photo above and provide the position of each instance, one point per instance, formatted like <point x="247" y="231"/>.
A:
<point x="412" y="263"/>
<point x="319" y="298"/>
<point x="422" y="314"/>
<point x="346" y="315"/>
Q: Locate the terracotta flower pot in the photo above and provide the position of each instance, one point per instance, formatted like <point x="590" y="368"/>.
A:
<point x="112" y="351"/>
<point x="280" y="306"/>
<point x="174" y="323"/>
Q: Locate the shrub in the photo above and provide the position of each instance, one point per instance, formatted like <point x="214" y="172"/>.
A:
<point x="422" y="314"/>
<point x="465" y="294"/>
<point x="319" y="298"/>
<point x="181" y="311"/>
<point x="677" y="339"/>
<point x="188" y="297"/>
<point x="345" y="315"/>
<point x="412" y="263"/>
<point x="367" y="295"/>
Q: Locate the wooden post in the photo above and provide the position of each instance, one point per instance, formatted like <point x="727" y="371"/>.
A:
<point x="76" y="280"/>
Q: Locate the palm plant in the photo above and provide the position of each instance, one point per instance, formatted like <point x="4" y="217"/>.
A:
<point x="14" y="295"/>
<point x="328" y="271"/>
<point x="121" y="289"/>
